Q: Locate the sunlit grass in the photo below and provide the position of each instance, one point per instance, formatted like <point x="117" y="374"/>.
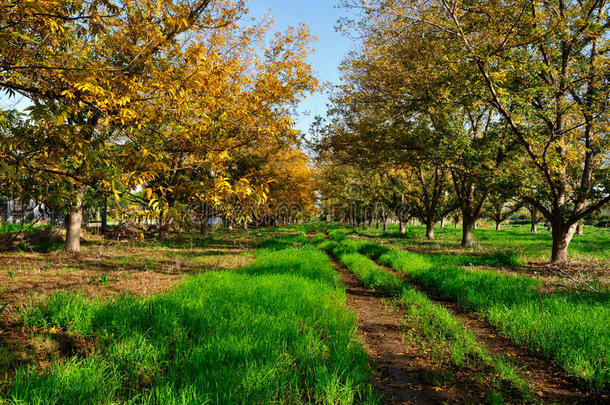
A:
<point x="432" y="327"/>
<point x="595" y="244"/>
<point x="570" y="328"/>
<point x="365" y="269"/>
<point x="272" y="332"/>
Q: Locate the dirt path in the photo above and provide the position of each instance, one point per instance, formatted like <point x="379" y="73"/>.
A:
<point x="398" y="374"/>
<point x="550" y="383"/>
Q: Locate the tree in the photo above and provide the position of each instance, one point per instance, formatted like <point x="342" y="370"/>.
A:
<point x="499" y="208"/>
<point x="201" y="148"/>
<point x="367" y="178"/>
<point x="429" y="113"/>
<point x="545" y="68"/>
<point x="146" y="94"/>
<point x="88" y="69"/>
<point x="432" y="200"/>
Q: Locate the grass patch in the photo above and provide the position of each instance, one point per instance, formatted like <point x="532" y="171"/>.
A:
<point x="272" y="332"/>
<point x="433" y="329"/>
<point x="371" y="275"/>
<point x="9" y="227"/>
<point x="594" y="244"/>
<point x="570" y="328"/>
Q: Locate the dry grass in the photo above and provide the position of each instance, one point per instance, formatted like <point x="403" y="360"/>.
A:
<point x="107" y="268"/>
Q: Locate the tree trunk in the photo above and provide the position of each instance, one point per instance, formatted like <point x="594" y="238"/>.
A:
<point x="73" y="226"/>
<point x="534" y="216"/>
<point x="163" y="228"/>
<point x="204" y="218"/>
<point x="430" y="229"/>
<point x="245" y="225"/>
<point x="105" y="215"/>
<point x="498" y="225"/>
<point x="230" y="225"/>
<point x="534" y="227"/>
<point x="377" y="223"/>
<point x="386" y="222"/>
<point x="403" y="227"/>
<point x="562" y="236"/>
<point x="443" y="222"/>
<point x="468" y="225"/>
<point x="204" y="225"/>
<point x="579" y="229"/>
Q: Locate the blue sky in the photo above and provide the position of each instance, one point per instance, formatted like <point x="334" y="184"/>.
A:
<point x="330" y="49"/>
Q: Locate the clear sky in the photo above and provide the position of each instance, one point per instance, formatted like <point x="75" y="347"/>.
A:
<point x="330" y="49"/>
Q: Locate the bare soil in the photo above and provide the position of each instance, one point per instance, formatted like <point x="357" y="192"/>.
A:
<point x="399" y="375"/>
<point x="550" y="383"/>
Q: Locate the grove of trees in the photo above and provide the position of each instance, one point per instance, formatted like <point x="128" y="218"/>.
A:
<point x="165" y="109"/>
<point x="174" y="112"/>
<point x="474" y="108"/>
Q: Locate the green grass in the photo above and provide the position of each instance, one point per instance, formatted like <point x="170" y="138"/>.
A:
<point x="272" y="332"/>
<point x="338" y="234"/>
<point x="432" y="327"/>
<point x="595" y="244"/>
<point x="570" y="328"/>
<point x="9" y="227"/>
<point x="284" y="241"/>
<point x="366" y="270"/>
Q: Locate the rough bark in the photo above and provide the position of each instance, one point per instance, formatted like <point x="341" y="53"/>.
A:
<point x="468" y="225"/>
<point x="73" y="226"/>
<point x="105" y="216"/>
<point x="163" y="228"/>
<point x="579" y="229"/>
<point x="430" y="229"/>
<point x="497" y="226"/>
<point x="205" y="228"/>
<point x="562" y="236"/>
<point x="386" y="222"/>
<point x="403" y="227"/>
<point x="534" y="215"/>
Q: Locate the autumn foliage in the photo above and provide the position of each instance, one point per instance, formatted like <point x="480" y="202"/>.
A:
<point x="150" y="103"/>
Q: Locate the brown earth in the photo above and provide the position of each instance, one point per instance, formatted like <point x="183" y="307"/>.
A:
<point x="550" y="383"/>
<point x="399" y="374"/>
